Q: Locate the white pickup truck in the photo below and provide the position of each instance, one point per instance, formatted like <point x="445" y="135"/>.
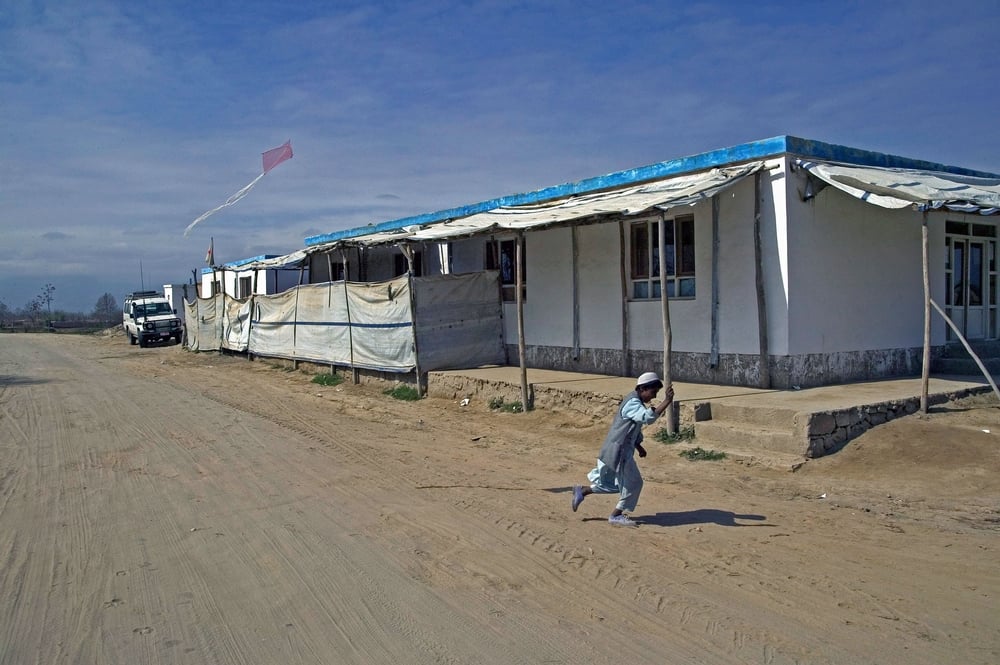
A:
<point x="148" y="317"/>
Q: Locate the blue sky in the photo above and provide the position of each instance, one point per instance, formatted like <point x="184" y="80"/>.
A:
<point x="124" y="121"/>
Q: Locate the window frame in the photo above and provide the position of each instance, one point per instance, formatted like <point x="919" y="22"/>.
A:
<point x="498" y="249"/>
<point x="245" y="286"/>
<point x="643" y="269"/>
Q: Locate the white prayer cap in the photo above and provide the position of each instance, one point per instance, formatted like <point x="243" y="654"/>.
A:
<point x="647" y="378"/>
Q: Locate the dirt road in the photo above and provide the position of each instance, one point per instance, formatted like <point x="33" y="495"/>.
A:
<point x="159" y="506"/>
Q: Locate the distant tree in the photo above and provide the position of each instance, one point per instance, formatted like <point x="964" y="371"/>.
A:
<point x="5" y="314"/>
<point x="46" y="297"/>
<point x="106" y="308"/>
<point x="34" y="310"/>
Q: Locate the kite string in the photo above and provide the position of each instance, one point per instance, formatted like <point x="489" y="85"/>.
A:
<point x="230" y="201"/>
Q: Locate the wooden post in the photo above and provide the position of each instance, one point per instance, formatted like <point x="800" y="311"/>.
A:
<point x="408" y="253"/>
<point x="665" y="313"/>
<point x="765" y="353"/>
<point x="626" y="350"/>
<point x="925" y="370"/>
<point x="521" y="350"/>
<point x="576" y="294"/>
<point x="350" y="330"/>
<point x="713" y="358"/>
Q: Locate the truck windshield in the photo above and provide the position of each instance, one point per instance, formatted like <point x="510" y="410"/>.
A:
<point x="152" y="309"/>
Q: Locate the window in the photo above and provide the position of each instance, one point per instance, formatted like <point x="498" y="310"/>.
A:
<point x="501" y="255"/>
<point x="246" y="287"/>
<point x="400" y="266"/>
<point x="644" y="258"/>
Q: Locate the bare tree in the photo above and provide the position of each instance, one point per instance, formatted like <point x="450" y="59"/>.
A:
<point x="46" y="297"/>
<point x="34" y="310"/>
<point x="106" y="308"/>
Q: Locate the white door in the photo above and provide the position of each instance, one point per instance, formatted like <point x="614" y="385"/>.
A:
<point x="967" y="287"/>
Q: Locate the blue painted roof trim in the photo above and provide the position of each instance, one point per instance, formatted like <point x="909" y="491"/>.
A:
<point x="724" y="157"/>
<point x="241" y="262"/>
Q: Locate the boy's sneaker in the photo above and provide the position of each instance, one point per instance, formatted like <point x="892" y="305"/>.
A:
<point x="577" y="497"/>
<point x="622" y="520"/>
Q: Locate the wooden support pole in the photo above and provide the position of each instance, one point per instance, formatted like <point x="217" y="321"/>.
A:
<point x="623" y="272"/>
<point x="765" y="353"/>
<point x="925" y="370"/>
<point x="408" y="253"/>
<point x="665" y="315"/>
<point x="713" y="358"/>
<point x="521" y="347"/>
<point x="350" y="331"/>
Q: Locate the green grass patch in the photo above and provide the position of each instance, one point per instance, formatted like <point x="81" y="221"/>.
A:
<point x="328" y="379"/>
<point x="497" y="404"/>
<point x="702" y="454"/>
<point x="685" y="433"/>
<point x="406" y="393"/>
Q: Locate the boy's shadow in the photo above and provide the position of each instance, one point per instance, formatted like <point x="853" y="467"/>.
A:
<point x="702" y="516"/>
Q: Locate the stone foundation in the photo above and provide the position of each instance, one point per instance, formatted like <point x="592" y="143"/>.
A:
<point x="786" y="372"/>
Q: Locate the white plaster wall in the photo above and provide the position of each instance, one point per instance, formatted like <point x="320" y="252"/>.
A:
<point x="548" y="306"/>
<point x="175" y="293"/>
<point x="776" y="188"/>
<point x="600" y="286"/>
<point x="854" y="273"/>
<point x="205" y="287"/>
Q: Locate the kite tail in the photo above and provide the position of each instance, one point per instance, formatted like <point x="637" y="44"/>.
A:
<point x="230" y="201"/>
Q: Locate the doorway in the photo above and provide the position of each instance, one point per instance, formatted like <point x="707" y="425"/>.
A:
<point x="971" y="280"/>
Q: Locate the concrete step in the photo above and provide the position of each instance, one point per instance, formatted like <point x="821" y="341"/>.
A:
<point x="756" y="414"/>
<point x="726" y="435"/>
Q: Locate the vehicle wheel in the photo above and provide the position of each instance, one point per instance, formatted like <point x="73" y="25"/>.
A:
<point x="131" y="339"/>
<point x="142" y="342"/>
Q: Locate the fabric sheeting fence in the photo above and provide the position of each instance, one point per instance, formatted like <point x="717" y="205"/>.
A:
<point x="459" y="321"/>
<point x="364" y="325"/>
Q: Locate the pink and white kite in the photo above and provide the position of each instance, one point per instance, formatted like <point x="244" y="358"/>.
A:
<point x="271" y="158"/>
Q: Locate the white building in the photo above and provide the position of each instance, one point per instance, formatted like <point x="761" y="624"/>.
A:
<point x="178" y="294"/>
<point x="789" y="262"/>
<point x="260" y="275"/>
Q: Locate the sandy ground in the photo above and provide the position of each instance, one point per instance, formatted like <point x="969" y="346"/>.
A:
<point x="160" y="506"/>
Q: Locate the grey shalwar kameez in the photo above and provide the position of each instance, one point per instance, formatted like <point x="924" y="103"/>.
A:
<point x="616" y="470"/>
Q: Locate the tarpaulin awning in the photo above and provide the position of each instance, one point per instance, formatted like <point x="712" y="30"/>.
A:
<point x="658" y="195"/>
<point x="293" y="260"/>
<point x="902" y="188"/>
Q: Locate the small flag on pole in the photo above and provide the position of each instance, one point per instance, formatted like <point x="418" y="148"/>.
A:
<point x="270" y="159"/>
<point x="210" y="256"/>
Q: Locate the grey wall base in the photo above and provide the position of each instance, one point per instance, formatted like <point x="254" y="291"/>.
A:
<point x="787" y="372"/>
